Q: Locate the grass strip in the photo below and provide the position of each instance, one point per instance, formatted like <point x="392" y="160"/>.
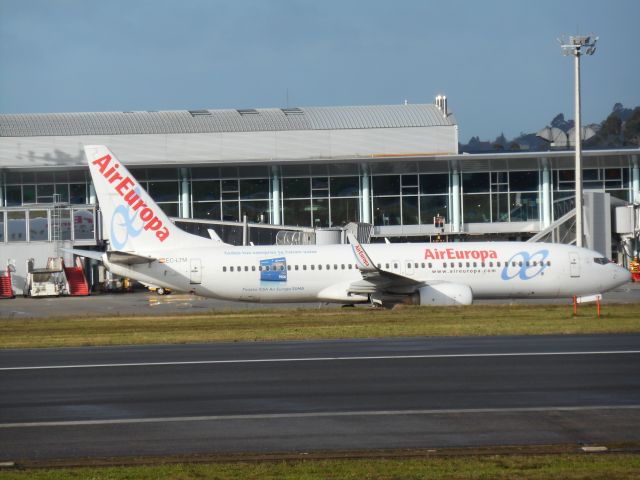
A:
<point x="523" y="467"/>
<point x="308" y="324"/>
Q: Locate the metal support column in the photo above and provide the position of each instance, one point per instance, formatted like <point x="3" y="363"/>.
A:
<point x="185" y="203"/>
<point x="365" y="195"/>
<point x="635" y="179"/>
<point x="92" y="194"/>
<point x="546" y="195"/>
<point x="276" y="217"/>
<point x="455" y="201"/>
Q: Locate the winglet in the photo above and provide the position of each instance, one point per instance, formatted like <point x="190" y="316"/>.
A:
<point x="365" y="264"/>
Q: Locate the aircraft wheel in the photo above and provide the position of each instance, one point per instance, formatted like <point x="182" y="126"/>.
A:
<point x="161" y="291"/>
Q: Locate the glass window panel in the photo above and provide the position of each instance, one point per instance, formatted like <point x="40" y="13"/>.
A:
<point x="229" y="185"/>
<point x="62" y="192"/>
<point x="28" y="194"/>
<point x="434" y="183"/>
<point x="254" y="188"/>
<point x="296" y="188"/>
<point x="409" y="180"/>
<point x="386" y="210"/>
<point x="13" y="195"/>
<point x="1" y="227"/>
<point x="433" y="205"/>
<point x="320" y="182"/>
<point x="500" y="207"/>
<point x="171" y="209"/>
<point x="345" y="187"/>
<point x="410" y="213"/>
<point x="256" y="211"/>
<point x="297" y="212"/>
<point x="164" y="191"/>
<point x="45" y="193"/>
<point x="320" y="211"/>
<point x="590" y="174"/>
<point x="65" y="224"/>
<point x="344" y="210"/>
<point x="61" y="177"/>
<point x="205" y="190"/>
<point x="475" y="182"/>
<point x="477" y="208"/>
<point x="38" y="225"/>
<point x="523" y="181"/>
<point x="78" y="193"/>
<point x="17" y="226"/>
<point x="386" y="185"/>
<point x="230" y="211"/>
<point x="524" y="207"/>
<point x="613" y="174"/>
<point x="207" y="211"/>
<point x="83" y="224"/>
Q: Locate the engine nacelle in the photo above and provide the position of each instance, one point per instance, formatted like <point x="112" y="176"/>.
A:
<point x="445" y="293"/>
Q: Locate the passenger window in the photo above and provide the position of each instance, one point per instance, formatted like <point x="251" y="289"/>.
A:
<point x="548" y="263"/>
<point x="328" y="267"/>
<point x="386" y="265"/>
<point x="342" y="266"/>
<point x="224" y="269"/>
<point x="231" y="269"/>
<point x="475" y="264"/>
<point x="240" y="269"/>
<point x="350" y="266"/>
<point x="246" y="269"/>
<point x="313" y="267"/>
<point x="491" y="264"/>
<point x="444" y="265"/>
<point x="519" y="264"/>
<point x="335" y="267"/>
<point x="295" y="267"/>
<point x="253" y="268"/>
<point x="319" y="267"/>
<point x="430" y="265"/>
<point x="468" y="265"/>
<point x="459" y="264"/>
<point x="304" y="267"/>
<point x="379" y="265"/>
<point x="395" y="265"/>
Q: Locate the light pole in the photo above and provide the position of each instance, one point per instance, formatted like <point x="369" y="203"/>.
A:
<point x="577" y="46"/>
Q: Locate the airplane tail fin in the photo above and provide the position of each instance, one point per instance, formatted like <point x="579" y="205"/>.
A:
<point x="132" y="221"/>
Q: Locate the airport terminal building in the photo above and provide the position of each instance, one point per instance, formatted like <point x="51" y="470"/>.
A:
<point x="396" y="167"/>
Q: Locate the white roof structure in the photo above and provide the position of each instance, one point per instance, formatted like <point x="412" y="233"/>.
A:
<point x="220" y="136"/>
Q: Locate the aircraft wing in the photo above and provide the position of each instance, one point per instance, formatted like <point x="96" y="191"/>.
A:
<point x="125" y="258"/>
<point x="375" y="279"/>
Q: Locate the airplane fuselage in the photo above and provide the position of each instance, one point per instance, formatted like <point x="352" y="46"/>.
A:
<point x="327" y="273"/>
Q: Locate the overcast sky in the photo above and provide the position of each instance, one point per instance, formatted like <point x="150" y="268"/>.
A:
<point x="498" y="61"/>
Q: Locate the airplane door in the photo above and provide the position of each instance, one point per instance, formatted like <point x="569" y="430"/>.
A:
<point x="408" y="267"/>
<point x="574" y="264"/>
<point x="195" y="271"/>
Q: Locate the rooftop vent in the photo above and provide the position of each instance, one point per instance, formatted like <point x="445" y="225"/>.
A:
<point x="199" y="113"/>
<point x="441" y="103"/>
<point x="292" y="111"/>
<point x="248" y="111"/>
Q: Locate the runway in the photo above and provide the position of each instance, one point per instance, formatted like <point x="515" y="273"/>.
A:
<point x="327" y="395"/>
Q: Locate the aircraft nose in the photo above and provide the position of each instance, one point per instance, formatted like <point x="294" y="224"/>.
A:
<point x="621" y="275"/>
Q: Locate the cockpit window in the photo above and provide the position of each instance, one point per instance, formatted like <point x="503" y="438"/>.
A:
<point x="601" y="260"/>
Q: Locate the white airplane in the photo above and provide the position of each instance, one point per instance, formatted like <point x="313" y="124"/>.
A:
<point x="146" y="246"/>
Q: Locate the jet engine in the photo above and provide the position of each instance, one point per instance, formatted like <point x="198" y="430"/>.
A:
<point x="440" y="294"/>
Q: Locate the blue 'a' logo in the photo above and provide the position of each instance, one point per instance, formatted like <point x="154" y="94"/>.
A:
<point x="525" y="266"/>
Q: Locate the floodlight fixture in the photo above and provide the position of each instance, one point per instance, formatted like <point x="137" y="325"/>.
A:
<point x="577" y="46"/>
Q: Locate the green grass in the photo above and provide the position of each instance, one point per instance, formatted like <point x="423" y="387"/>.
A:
<point x="565" y="466"/>
<point x="290" y="324"/>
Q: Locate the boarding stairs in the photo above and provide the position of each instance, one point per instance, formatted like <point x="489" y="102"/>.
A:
<point x="563" y="230"/>
<point x="6" y="289"/>
<point x="76" y="280"/>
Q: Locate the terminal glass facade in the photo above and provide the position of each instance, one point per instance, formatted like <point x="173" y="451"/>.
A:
<point x="399" y="193"/>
